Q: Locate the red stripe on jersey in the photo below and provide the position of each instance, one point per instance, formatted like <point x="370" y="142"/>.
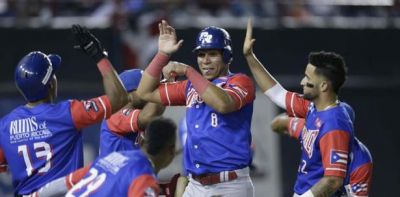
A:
<point x="144" y="185"/>
<point x="360" y="180"/>
<point x="3" y="161"/>
<point x="173" y="93"/>
<point x="242" y="90"/>
<point x="334" y="147"/>
<point x="124" y="121"/>
<point x="295" y="126"/>
<point x="87" y="112"/>
<point x="296" y="105"/>
<point x="74" y="177"/>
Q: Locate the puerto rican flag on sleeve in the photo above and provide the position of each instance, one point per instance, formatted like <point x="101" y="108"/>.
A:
<point x="144" y="186"/>
<point x="241" y="88"/>
<point x="296" y="105"/>
<point x="124" y="121"/>
<point x="87" y="112"/>
<point x="296" y="126"/>
<point x="173" y="93"/>
<point x="334" y="147"/>
<point x="360" y="181"/>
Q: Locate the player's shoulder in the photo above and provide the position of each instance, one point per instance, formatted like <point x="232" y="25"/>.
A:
<point x="239" y="76"/>
<point x="336" y="119"/>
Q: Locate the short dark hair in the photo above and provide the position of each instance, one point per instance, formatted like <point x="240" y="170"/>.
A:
<point x="330" y="65"/>
<point x="160" y="133"/>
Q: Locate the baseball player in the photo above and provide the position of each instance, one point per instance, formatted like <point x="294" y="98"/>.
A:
<point x="121" y="132"/>
<point x="328" y="135"/>
<point x="359" y="176"/>
<point x="219" y="107"/>
<point x="131" y="173"/>
<point x="122" y="129"/>
<point x="41" y="140"/>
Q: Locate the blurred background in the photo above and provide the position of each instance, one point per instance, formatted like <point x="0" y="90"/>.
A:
<point x="365" y="32"/>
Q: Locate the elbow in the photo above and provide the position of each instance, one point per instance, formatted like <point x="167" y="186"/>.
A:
<point x="224" y="108"/>
<point x="143" y="96"/>
<point x="117" y="102"/>
<point x="275" y="124"/>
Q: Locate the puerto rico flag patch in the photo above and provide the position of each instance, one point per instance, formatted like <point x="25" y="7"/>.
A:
<point x="339" y="157"/>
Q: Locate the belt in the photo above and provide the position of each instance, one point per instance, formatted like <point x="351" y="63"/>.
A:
<point x="214" y="178"/>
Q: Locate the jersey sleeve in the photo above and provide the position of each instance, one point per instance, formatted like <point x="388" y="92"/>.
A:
<point x="334" y="147"/>
<point x="3" y="161"/>
<point x="88" y="112"/>
<point x="124" y="121"/>
<point x="144" y="185"/>
<point x="173" y="93"/>
<point x="296" y="105"/>
<point x="74" y="177"/>
<point x="295" y="126"/>
<point x="360" y="180"/>
<point x="241" y="88"/>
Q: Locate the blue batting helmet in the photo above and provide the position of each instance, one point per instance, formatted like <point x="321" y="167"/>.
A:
<point x="131" y="79"/>
<point x="34" y="73"/>
<point x="215" y="38"/>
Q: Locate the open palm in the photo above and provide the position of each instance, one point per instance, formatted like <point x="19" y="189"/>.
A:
<point x="248" y="40"/>
<point x="167" y="41"/>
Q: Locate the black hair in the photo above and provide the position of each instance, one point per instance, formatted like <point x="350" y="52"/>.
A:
<point x="160" y="133"/>
<point x="330" y="65"/>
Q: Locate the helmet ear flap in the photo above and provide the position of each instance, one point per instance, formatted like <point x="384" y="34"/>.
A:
<point x="227" y="55"/>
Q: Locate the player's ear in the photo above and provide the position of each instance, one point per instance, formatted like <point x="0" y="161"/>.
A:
<point x="324" y="85"/>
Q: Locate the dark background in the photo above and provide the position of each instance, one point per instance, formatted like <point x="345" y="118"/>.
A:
<point x="372" y="89"/>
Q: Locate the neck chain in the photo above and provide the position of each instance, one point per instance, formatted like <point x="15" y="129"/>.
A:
<point x="331" y="105"/>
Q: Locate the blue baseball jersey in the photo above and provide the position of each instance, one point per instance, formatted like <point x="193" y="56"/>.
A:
<point x="326" y="141"/>
<point x="358" y="178"/>
<point x="125" y="173"/>
<point x="120" y="132"/>
<point x="215" y="142"/>
<point x="43" y="143"/>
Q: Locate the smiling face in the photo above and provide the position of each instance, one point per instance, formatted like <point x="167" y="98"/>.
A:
<point x="312" y="83"/>
<point x="211" y="64"/>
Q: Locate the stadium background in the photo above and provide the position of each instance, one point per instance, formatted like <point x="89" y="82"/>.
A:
<point x="286" y="31"/>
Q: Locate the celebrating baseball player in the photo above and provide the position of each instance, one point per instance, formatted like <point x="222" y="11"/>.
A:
<point x="219" y="107"/>
<point x="328" y="134"/>
<point x="131" y="173"/>
<point x="41" y="140"/>
<point x="358" y="178"/>
<point x="124" y="127"/>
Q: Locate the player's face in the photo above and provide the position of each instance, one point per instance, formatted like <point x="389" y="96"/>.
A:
<point x="211" y="64"/>
<point x="310" y="83"/>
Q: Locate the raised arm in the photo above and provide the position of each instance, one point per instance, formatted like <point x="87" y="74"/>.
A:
<point x="149" y="111"/>
<point x="167" y="45"/>
<point x="268" y="84"/>
<point x="113" y="87"/>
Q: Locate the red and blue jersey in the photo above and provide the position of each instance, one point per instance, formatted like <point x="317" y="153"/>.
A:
<point x="125" y="173"/>
<point x="120" y="131"/>
<point x="43" y="143"/>
<point x="215" y="142"/>
<point x="326" y="140"/>
<point x="359" y="170"/>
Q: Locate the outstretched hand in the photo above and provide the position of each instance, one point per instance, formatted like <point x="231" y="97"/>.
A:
<point x="167" y="41"/>
<point x="88" y="43"/>
<point x="248" y="40"/>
